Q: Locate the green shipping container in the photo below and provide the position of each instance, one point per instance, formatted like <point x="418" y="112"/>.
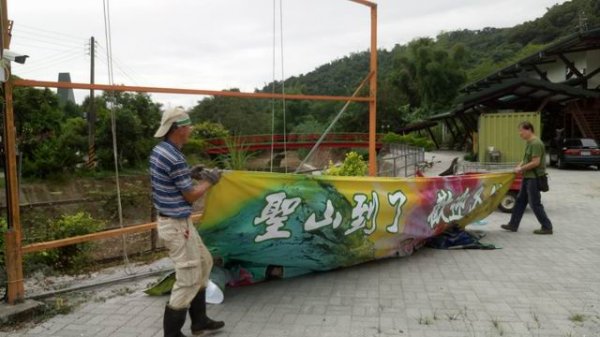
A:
<point x="498" y="136"/>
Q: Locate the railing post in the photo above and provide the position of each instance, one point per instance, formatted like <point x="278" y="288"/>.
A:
<point x="373" y="94"/>
<point x="14" y="259"/>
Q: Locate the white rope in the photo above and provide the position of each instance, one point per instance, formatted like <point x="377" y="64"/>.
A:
<point x="337" y="117"/>
<point x="107" y="33"/>
<point x="273" y="92"/>
<point x="283" y="84"/>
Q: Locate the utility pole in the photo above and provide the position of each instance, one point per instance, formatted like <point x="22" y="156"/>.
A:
<point x="91" y="115"/>
<point x="14" y="256"/>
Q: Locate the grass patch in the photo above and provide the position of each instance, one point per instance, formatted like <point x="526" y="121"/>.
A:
<point x="577" y="318"/>
<point x="498" y="327"/>
<point x="425" y="320"/>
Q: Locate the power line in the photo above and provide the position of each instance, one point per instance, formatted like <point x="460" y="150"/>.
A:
<point x="42" y="35"/>
<point x="122" y="67"/>
<point x="17" y="36"/>
<point x="33" y="45"/>
<point x="103" y="60"/>
<point x="49" y="32"/>
<point x="107" y="33"/>
<point x="50" y="58"/>
<point x="50" y="64"/>
<point x="46" y="39"/>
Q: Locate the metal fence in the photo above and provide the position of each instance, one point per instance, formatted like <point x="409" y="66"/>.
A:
<point x="399" y="160"/>
<point x="467" y="166"/>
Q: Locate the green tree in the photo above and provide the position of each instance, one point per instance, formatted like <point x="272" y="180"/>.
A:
<point x="427" y="76"/>
<point x="37" y="119"/>
<point x="136" y="120"/>
<point x="238" y="115"/>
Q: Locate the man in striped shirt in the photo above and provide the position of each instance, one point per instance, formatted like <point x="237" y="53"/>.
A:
<point x="173" y="193"/>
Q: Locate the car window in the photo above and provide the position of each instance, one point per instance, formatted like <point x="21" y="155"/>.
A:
<point x="580" y="143"/>
<point x="572" y="143"/>
<point x="589" y="143"/>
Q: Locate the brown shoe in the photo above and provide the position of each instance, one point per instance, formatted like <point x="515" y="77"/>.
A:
<point x="543" y="231"/>
<point x="509" y="228"/>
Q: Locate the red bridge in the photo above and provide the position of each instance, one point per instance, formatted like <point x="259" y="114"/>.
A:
<point x="293" y="141"/>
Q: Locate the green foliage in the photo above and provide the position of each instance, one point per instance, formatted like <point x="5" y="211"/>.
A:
<point x="207" y="130"/>
<point x="38" y="122"/>
<point x="495" y="64"/>
<point x="428" y="76"/>
<point x="53" y="139"/>
<point x="73" y="257"/>
<point x="353" y="165"/>
<point x="60" y="154"/>
<point x="136" y="120"/>
<point x="237" y="156"/>
<point x="240" y="116"/>
<point x="490" y="48"/>
<point x="471" y="157"/>
<point x="309" y="125"/>
<point x="409" y="139"/>
<point x="193" y="150"/>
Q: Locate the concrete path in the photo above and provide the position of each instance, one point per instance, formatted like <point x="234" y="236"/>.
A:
<point x="534" y="286"/>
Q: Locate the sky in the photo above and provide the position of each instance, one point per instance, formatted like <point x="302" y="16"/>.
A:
<point x="223" y="44"/>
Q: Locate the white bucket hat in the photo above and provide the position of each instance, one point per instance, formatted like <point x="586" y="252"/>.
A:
<point x="175" y="115"/>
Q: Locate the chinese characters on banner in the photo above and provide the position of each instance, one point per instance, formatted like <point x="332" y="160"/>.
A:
<point x="279" y="207"/>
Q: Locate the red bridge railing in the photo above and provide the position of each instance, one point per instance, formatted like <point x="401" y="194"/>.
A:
<point x="292" y="141"/>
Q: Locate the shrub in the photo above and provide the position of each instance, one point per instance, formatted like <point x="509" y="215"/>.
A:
<point x="353" y="165"/>
<point x="470" y="157"/>
<point x="237" y="156"/>
<point x="207" y="130"/>
<point x="410" y="139"/>
<point x="194" y="149"/>
<point x="73" y="257"/>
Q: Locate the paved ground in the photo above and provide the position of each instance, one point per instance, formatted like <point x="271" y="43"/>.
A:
<point x="533" y="286"/>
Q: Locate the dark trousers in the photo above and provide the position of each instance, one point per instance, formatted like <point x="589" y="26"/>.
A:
<point x="529" y="193"/>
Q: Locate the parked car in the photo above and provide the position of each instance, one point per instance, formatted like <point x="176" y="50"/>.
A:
<point x="576" y="151"/>
<point x="507" y="204"/>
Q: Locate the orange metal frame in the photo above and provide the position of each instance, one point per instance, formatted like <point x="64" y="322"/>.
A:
<point x="14" y="248"/>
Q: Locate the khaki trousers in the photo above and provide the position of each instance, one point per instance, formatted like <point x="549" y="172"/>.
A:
<point x="192" y="260"/>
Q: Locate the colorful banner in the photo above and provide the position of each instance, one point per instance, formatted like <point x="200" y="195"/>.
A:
<point x="269" y="225"/>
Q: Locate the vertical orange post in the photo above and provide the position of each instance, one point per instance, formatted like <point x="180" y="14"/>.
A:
<point x="14" y="256"/>
<point x="373" y="95"/>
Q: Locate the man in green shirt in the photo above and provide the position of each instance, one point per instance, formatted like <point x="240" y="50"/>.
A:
<point x="532" y="166"/>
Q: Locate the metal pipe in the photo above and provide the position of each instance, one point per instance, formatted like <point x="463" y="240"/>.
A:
<point x="98" y="284"/>
<point x="373" y="91"/>
<point x="107" y="87"/>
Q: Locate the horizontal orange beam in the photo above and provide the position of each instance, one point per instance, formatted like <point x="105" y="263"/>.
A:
<point x="366" y="3"/>
<point x="36" y="247"/>
<point x="106" y="87"/>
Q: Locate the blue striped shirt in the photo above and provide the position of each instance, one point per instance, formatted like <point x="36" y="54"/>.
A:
<point x="170" y="176"/>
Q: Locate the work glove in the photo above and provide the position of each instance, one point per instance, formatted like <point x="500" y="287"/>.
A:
<point x="212" y="175"/>
<point x="196" y="170"/>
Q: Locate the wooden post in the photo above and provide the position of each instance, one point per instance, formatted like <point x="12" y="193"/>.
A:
<point x="373" y="95"/>
<point x="14" y="258"/>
